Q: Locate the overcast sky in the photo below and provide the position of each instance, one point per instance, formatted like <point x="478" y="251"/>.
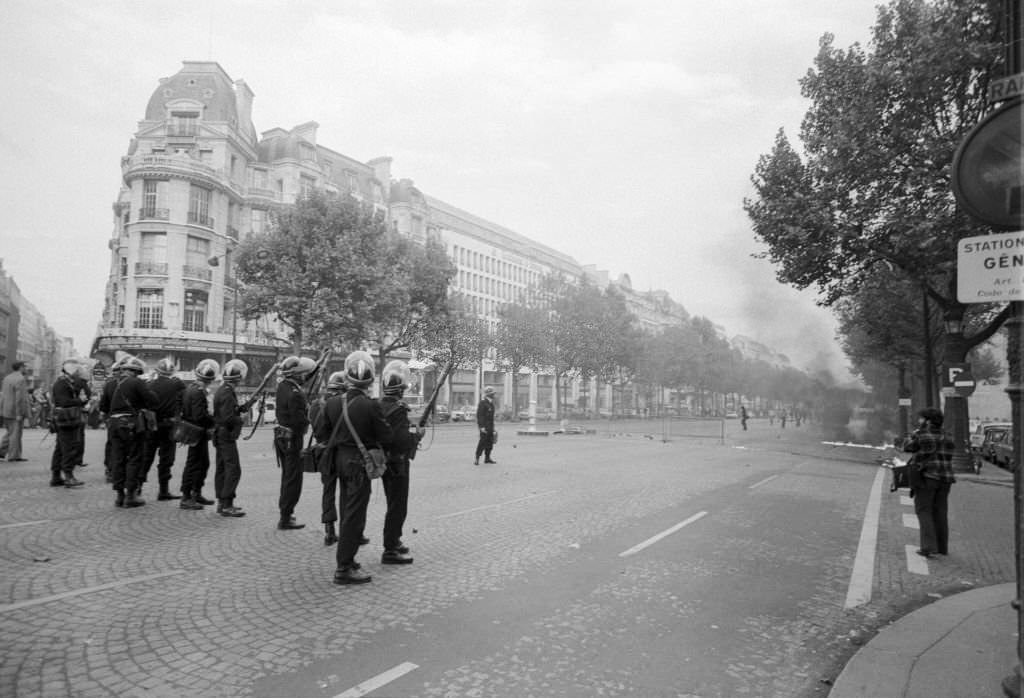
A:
<point x="622" y="133"/>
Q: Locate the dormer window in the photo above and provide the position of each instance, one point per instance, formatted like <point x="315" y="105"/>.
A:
<point x="184" y="123"/>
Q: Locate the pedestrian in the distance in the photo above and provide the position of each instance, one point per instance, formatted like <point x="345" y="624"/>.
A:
<point x="195" y="409"/>
<point x="933" y="463"/>
<point x="485" y="423"/>
<point x="405" y="438"/>
<point x="289" y="433"/>
<point x="15" y="408"/>
<point x="227" y="428"/>
<point x="169" y="390"/>
<point x="743" y="416"/>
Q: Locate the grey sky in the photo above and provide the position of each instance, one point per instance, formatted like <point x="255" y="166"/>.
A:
<point x="623" y="133"/>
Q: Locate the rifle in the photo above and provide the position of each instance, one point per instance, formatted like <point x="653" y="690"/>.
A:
<point x="425" y="417"/>
<point x="261" y="396"/>
<point x="316" y="376"/>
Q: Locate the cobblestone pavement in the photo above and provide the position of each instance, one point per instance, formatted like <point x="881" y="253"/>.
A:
<point x="520" y="585"/>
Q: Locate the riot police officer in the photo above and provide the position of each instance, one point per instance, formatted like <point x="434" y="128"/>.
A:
<point x="168" y="389"/>
<point x="227" y="428"/>
<point x="328" y="475"/>
<point x="195" y="410"/>
<point x="67" y="421"/>
<point x="122" y="401"/>
<point x="346" y="459"/>
<point x="394" y="382"/>
<point x="292" y="423"/>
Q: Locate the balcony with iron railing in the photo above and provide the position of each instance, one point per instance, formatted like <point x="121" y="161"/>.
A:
<point x="202" y="219"/>
<point x="170" y="165"/>
<point x="148" y="213"/>
<point x="151" y="268"/>
<point x="191" y="271"/>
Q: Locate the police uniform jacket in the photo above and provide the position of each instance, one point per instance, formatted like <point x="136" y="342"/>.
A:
<point x="225" y="413"/>
<point x="168" y="391"/>
<point x="485" y="415"/>
<point x="126" y="396"/>
<point x="403" y="441"/>
<point x="366" y="417"/>
<point x="65" y="392"/>
<point x="194" y="407"/>
<point x="292" y="407"/>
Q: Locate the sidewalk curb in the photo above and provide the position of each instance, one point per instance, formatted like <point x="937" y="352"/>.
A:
<point x="889" y="658"/>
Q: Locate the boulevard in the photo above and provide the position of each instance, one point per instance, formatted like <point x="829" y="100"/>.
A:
<point x="617" y="562"/>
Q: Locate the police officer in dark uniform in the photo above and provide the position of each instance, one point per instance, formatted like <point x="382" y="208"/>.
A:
<point x="122" y="401"/>
<point x="195" y="409"/>
<point x="292" y="423"/>
<point x="485" y="423"/>
<point x="168" y="389"/>
<point x="67" y="417"/>
<point x="347" y="461"/>
<point x="108" y="387"/>
<point x="227" y="428"/>
<point x="405" y="439"/>
<point x="328" y="475"/>
<point x="83" y="390"/>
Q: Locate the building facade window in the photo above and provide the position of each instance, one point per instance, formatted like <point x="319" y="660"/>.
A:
<point x="152" y="254"/>
<point x="150" y="309"/>
<point x="259" y="218"/>
<point x="259" y="179"/>
<point x="199" y="206"/>
<point x="306" y="185"/>
<point x="149" y="198"/>
<point x="194" y="319"/>
<point x="353" y="182"/>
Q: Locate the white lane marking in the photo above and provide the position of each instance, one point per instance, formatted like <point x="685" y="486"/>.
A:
<point x="910" y="521"/>
<point x="25" y="523"/>
<point x="88" y="590"/>
<point x="906" y="501"/>
<point x="499" y="504"/>
<point x="667" y="532"/>
<point x="863" y="573"/>
<point x="378" y="680"/>
<point x="916" y="563"/>
<point x="767" y="479"/>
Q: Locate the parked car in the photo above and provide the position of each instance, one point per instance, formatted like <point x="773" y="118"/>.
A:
<point x="1003" y="451"/>
<point x="992" y="437"/>
<point x="978" y="435"/>
<point x="464" y="414"/>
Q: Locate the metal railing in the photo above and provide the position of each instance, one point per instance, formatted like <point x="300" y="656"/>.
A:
<point x="200" y="219"/>
<point x="158" y="268"/>
<point x="154" y="214"/>
<point x="193" y="272"/>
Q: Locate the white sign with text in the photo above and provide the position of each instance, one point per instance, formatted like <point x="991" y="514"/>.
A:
<point x="990" y="268"/>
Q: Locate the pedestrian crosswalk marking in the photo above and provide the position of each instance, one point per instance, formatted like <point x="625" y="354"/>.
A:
<point x="916" y="563"/>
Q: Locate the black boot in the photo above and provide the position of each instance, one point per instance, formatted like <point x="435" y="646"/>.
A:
<point x="330" y="537"/>
<point x="165" y="493"/>
<point x="189" y="503"/>
<point x="197" y="495"/>
<point x="133" y="499"/>
<point x="119" y="501"/>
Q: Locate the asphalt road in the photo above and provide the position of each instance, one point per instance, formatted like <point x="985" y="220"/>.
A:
<point x="613" y="563"/>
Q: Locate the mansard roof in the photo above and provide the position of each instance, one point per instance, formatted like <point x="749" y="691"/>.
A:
<point x="200" y="81"/>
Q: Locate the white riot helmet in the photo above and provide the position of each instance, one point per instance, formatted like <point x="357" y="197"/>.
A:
<point x="395" y="378"/>
<point x="359" y="369"/>
<point x="235" y="371"/>
<point x="206" y="370"/>
<point x="336" y="381"/>
<point x="165" y="367"/>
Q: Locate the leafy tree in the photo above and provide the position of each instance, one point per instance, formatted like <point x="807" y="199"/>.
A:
<point x="454" y="336"/>
<point x="879" y="140"/>
<point x="314" y="269"/>
<point x="520" y="342"/>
